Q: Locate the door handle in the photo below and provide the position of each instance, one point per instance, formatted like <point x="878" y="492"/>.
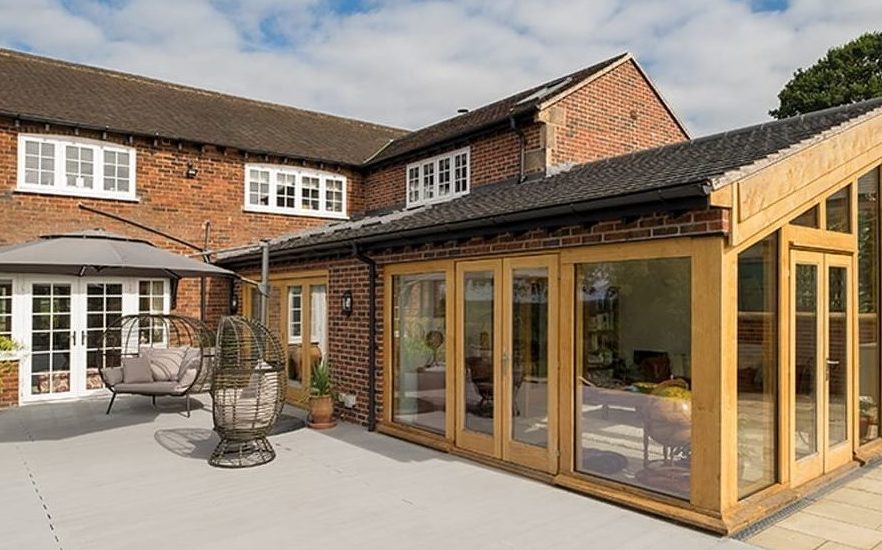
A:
<point x="73" y="337"/>
<point x="830" y="363"/>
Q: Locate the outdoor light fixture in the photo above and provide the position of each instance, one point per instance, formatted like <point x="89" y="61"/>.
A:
<point x="346" y="303"/>
<point x="191" y="170"/>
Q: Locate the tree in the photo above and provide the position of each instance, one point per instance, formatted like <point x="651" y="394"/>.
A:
<point x="847" y="74"/>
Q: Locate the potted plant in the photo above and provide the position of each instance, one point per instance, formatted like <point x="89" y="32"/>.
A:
<point x="11" y="353"/>
<point x="321" y="397"/>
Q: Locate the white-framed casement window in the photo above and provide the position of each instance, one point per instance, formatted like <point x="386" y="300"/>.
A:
<point x="438" y="178"/>
<point x="69" y="165"/>
<point x="295" y="191"/>
<point x="6" y="309"/>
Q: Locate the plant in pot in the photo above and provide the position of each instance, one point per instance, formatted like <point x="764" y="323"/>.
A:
<point x="321" y="397"/>
<point x="10" y="354"/>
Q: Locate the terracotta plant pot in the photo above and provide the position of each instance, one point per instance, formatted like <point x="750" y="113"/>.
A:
<point x="321" y="412"/>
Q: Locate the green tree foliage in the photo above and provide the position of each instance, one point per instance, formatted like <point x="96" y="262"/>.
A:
<point x="847" y="74"/>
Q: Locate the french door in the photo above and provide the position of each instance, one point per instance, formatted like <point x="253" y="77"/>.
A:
<point x="304" y="331"/>
<point x="506" y="378"/>
<point x="821" y="363"/>
<point x="61" y="321"/>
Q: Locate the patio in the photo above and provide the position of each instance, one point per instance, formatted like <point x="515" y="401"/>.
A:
<point x="74" y="478"/>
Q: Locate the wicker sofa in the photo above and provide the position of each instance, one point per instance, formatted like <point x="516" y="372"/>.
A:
<point x="156" y="372"/>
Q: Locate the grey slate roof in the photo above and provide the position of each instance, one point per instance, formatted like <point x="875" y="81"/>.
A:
<point x="66" y="93"/>
<point x="488" y="115"/>
<point x="687" y="167"/>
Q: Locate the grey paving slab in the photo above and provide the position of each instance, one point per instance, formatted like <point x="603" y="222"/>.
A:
<point x="139" y="479"/>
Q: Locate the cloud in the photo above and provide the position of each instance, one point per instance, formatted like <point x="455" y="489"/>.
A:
<point x="408" y="63"/>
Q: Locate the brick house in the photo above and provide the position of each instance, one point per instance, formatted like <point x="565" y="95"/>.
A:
<point x="561" y="283"/>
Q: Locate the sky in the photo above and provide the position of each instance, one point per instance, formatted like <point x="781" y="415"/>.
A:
<point x="409" y="63"/>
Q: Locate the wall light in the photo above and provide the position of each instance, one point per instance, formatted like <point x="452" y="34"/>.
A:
<point x="346" y="303"/>
<point x="192" y="171"/>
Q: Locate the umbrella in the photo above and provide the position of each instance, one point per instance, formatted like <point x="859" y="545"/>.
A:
<point x="97" y="252"/>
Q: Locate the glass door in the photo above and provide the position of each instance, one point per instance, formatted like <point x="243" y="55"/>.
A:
<point x="63" y="325"/>
<point x="506" y="379"/>
<point x="304" y="331"/>
<point x="821" y="359"/>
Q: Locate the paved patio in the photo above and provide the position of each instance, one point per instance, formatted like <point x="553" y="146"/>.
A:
<point x="74" y="478"/>
<point x="848" y="516"/>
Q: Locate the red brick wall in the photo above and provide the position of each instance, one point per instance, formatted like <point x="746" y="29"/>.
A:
<point x="348" y="336"/>
<point x="167" y="201"/>
<point x="8" y="384"/>
<point x="615" y="114"/>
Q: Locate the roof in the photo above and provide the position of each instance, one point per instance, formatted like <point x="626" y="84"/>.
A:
<point x="47" y="90"/>
<point x="493" y="114"/>
<point x="683" y="170"/>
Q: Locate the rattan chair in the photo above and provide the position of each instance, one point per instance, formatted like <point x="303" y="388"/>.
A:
<point x="247" y="391"/>
<point x="153" y="355"/>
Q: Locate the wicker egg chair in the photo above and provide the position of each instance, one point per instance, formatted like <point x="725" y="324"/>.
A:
<point x="153" y="355"/>
<point x="248" y="390"/>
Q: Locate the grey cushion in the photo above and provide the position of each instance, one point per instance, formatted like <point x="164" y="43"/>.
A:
<point x="191" y="360"/>
<point x="136" y="370"/>
<point x="149" y="388"/>
<point x="113" y="375"/>
<point x="187" y="378"/>
<point x="165" y="364"/>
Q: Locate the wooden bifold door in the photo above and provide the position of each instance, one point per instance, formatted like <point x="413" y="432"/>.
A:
<point x="506" y="377"/>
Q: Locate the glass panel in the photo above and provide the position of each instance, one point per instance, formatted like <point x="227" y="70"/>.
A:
<point x="478" y="306"/>
<point x="868" y="305"/>
<point x="809" y="218"/>
<point x="633" y="386"/>
<point x="419" y="362"/>
<point x="102" y="309"/>
<point x="295" y="334"/>
<point x="839" y="211"/>
<point x="806" y="344"/>
<point x="50" y="357"/>
<point x="318" y="323"/>
<point x="529" y="361"/>
<point x="837" y="359"/>
<point x="758" y="366"/>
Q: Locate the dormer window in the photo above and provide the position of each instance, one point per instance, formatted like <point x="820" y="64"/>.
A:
<point x="439" y="178"/>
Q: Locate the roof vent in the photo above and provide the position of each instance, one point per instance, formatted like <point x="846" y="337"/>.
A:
<point x="462" y="111"/>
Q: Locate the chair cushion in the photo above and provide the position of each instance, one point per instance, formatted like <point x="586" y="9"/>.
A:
<point x="136" y="370"/>
<point x="165" y="364"/>
<point x="113" y="375"/>
<point x="190" y="361"/>
<point x="149" y="388"/>
<point x="187" y="378"/>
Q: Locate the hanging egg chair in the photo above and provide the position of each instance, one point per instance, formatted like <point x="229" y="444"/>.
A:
<point x="248" y="390"/>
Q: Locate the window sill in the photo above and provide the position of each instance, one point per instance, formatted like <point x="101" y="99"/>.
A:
<point x="79" y="195"/>
<point x="296" y="214"/>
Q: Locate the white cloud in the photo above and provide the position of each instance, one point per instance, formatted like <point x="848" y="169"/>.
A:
<point x="409" y="63"/>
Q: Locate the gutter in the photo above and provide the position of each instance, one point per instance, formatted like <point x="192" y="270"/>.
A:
<point x="372" y="335"/>
<point x="522" y="147"/>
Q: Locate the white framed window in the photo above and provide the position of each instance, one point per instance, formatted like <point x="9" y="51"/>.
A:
<point x="6" y="309"/>
<point x="295" y="314"/>
<point x="153" y="298"/>
<point x="69" y="165"/>
<point x="439" y="178"/>
<point x="294" y="191"/>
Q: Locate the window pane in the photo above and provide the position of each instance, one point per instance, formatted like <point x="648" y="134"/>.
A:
<point x="295" y="338"/>
<point x="419" y="361"/>
<point x="868" y="304"/>
<point x="839" y="211"/>
<point x="478" y="322"/>
<point x="809" y="218"/>
<point x="633" y="384"/>
<point x="758" y="366"/>
<point x="805" y="436"/>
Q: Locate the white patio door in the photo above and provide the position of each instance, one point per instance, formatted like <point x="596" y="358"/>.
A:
<point x="61" y="323"/>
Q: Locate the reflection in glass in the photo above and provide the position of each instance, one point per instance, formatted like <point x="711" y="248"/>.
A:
<point x="478" y="303"/>
<point x="758" y="366"/>
<point x="419" y="355"/>
<point x="633" y="352"/>
<point x="839" y="211"/>
<point x="837" y="361"/>
<point x="805" y="437"/>
<point x="868" y="304"/>
<point x="295" y="335"/>
<point x="529" y="368"/>
<point x="318" y="324"/>
<point x="809" y="218"/>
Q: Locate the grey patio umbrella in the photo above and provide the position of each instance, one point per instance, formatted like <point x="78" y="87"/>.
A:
<point x="97" y="252"/>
